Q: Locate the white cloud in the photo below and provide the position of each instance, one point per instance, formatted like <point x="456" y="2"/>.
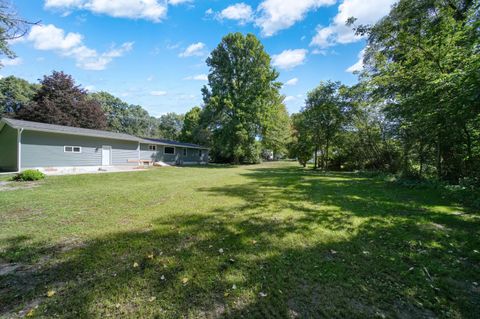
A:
<point x="291" y="82"/>
<point x="289" y="59"/>
<point x="276" y="15"/>
<point x="177" y="2"/>
<point x="209" y="12"/>
<point x="239" y="11"/>
<point x="158" y="93"/>
<point x="50" y="38"/>
<point x="150" y="78"/>
<point x="198" y="77"/>
<point x="366" y="12"/>
<point x="153" y="10"/>
<point x="358" y="66"/>
<point x="11" y="62"/>
<point x="289" y="98"/>
<point x="194" y="49"/>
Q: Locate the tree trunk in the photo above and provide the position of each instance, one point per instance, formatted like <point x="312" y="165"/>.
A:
<point x="326" y="155"/>
<point x="439" y="159"/>
<point x="315" y="163"/>
<point x="421" y="159"/>
<point x="469" y="149"/>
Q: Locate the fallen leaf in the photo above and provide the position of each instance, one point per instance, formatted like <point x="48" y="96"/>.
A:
<point x="234" y="286"/>
<point x="31" y="313"/>
<point x="333" y="251"/>
<point x="50" y="293"/>
<point x="117" y="305"/>
<point x="220" y="250"/>
<point x="254" y="242"/>
<point x="135" y="265"/>
<point x="152" y="299"/>
<point x="226" y="294"/>
<point x="163" y="277"/>
<point x="262" y="294"/>
<point x="184" y="280"/>
<point x="150" y="256"/>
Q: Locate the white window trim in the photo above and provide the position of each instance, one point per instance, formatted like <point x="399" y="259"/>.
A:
<point x="154" y="147"/>
<point x="73" y="152"/>
<point x="174" y="150"/>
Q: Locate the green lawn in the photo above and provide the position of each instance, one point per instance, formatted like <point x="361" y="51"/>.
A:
<point x="263" y="241"/>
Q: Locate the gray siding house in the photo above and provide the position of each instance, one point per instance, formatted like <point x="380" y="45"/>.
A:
<point x="25" y="144"/>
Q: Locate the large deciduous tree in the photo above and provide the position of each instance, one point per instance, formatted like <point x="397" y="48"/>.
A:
<point x="60" y="101"/>
<point x="277" y="128"/>
<point x="15" y="93"/>
<point x="170" y="125"/>
<point x="240" y="85"/>
<point x="325" y="112"/>
<point x="301" y="145"/>
<point x="126" y="118"/>
<point x="12" y="27"/>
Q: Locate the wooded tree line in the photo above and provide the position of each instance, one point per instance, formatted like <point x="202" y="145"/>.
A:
<point x="416" y="109"/>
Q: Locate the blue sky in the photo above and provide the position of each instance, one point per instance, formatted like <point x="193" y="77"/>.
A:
<point x="152" y="52"/>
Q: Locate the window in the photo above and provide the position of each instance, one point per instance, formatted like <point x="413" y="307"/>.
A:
<point x="169" y="150"/>
<point x="152" y="147"/>
<point x="199" y="153"/>
<point x="72" y="149"/>
<point x="184" y="152"/>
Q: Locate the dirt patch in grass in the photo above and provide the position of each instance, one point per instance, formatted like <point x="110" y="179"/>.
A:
<point x="13" y="186"/>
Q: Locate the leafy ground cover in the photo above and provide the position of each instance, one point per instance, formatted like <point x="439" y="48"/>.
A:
<point x="262" y="241"/>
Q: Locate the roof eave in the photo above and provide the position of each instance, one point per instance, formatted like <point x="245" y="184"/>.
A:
<point x="174" y="145"/>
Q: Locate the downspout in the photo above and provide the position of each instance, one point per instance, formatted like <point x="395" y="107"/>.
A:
<point x="19" y="150"/>
<point x="138" y="152"/>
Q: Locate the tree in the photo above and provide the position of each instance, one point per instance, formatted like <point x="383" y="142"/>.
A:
<point x="423" y="60"/>
<point x="126" y="118"/>
<point x="325" y="112"/>
<point x="170" y="125"/>
<point x="15" y="93"/>
<point x="301" y="146"/>
<point x="12" y="27"/>
<point x="194" y="130"/>
<point x="241" y="81"/>
<point x="277" y="128"/>
<point x="60" y="101"/>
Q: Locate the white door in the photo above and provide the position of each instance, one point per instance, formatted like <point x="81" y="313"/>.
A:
<point x="106" y="155"/>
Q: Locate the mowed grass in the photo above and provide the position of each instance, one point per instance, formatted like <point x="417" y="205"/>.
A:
<point x="264" y="241"/>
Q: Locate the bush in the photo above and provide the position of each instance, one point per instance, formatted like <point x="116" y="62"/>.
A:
<point x="29" y="175"/>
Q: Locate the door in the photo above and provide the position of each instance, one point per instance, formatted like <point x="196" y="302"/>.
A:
<point x="106" y="155"/>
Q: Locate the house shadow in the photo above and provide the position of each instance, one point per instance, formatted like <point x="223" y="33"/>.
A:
<point x="300" y="244"/>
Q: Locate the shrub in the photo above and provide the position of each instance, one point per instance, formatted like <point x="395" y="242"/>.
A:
<point x="29" y="175"/>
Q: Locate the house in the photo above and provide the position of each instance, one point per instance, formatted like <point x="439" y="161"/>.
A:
<point x="47" y="147"/>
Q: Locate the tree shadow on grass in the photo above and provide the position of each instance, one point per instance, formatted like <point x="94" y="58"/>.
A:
<point x="300" y="245"/>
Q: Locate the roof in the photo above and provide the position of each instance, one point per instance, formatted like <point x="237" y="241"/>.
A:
<point x="171" y="143"/>
<point x="52" y="128"/>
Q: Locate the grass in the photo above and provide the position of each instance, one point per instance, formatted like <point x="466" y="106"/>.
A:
<point x="264" y="241"/>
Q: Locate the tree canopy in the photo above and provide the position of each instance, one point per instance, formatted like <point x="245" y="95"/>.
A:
<point x="126" y="118"/>
<point x="241" y="82"/>
<point x="15" y="93"/>
<point x="60" y="101"/>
